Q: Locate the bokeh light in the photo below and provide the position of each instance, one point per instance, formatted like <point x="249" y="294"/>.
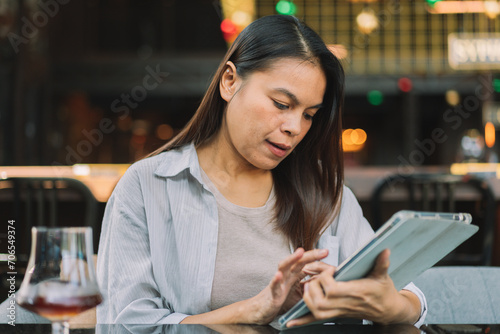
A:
<point x="286" y="8"/>
<point x="353" y="140"/>
<point x="375" y="97"/>
<point x="489" y="134"/>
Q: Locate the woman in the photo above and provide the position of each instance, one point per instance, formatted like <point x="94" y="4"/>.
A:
<point x="194" y="233"/>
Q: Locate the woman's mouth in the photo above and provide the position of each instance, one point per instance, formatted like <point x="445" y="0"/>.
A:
<point x="278" y="149"/>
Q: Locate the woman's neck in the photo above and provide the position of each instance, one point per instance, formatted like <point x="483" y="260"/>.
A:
<point x="240" y="182"/>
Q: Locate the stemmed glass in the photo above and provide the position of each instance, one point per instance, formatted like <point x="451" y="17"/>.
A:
<point x="60" y="280"/>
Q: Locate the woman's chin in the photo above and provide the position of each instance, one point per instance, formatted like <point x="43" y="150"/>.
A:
<point x="267" y="165"/>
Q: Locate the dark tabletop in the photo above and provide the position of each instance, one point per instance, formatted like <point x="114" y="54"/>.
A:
<point x="242" y="329"/>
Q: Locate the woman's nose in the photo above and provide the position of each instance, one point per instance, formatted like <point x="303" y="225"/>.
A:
<point x="292" y="124"/>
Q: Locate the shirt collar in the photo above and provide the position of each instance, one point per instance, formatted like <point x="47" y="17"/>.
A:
<point x="178" y="160"/>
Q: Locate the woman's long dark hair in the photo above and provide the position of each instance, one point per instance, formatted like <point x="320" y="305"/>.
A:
<point x="308" y="183"/>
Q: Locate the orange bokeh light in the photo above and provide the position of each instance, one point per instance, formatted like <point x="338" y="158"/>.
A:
<point x="489" y="134"/>
<point x="353" y="140"/>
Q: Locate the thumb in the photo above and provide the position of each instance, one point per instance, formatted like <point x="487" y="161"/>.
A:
<point x="381" y="265"/>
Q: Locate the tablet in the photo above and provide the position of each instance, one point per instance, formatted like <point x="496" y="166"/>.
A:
<point x="417" y="241"/>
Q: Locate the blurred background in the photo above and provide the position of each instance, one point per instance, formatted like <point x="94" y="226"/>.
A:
<point x="107" y="81"/>
<point x="89" y="86"/>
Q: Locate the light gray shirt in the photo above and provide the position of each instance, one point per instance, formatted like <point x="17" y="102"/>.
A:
<point x="158" y="245"/>
<point x="249" y="249"/>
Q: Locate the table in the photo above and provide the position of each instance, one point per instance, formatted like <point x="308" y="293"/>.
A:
<point x="242" y="329"/>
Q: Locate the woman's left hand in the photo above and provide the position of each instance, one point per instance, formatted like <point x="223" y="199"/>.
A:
<point x="373" y="298"/>
<point x="297" y="291"/>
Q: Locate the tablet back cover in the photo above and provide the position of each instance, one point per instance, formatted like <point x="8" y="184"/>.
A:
<point x="417" y="241"/>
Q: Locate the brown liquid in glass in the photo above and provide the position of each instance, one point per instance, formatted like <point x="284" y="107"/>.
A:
<point x="63" y="308"/>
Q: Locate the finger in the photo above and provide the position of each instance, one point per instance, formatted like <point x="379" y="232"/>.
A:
<point x="309" y="279"/>
<point x="322" y="306"/>
<point x="301" y="321"/>
<point x="292" y="266"/>
<point x="291" y="260"/>
<point x="276" y="284"/>
<point x="312" y="256"/>
<point x="315" y="268"/>
<point x="381" y="265"/>
<point x="313" y="293"/>
<point x="296" y="263"/>
<point x="277" y="278"/>
<point x="317" y="254"/>
<point x="327" y="282"/>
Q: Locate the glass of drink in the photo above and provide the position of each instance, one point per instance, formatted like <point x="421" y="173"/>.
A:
<point x="60" y="280"/>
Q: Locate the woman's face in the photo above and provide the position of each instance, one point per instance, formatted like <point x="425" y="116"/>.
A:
<point x="270" y="112"/>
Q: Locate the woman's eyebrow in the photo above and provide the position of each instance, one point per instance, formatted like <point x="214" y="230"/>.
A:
<point x="294" y="98"/>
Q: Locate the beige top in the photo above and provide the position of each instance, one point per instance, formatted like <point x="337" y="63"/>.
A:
<point x="248" y="249"/>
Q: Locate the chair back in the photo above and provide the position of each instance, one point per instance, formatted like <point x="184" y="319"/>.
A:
<point x="461" y="295"/>
<point x="441" y="193"/>
<point x="43" y="201"/>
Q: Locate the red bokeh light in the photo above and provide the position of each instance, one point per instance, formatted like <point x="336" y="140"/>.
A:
<point x="229" y="29"/>
<point x="405" y="85"/>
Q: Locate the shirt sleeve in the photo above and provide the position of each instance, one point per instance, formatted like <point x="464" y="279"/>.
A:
<point x="354" y="230"/>
<point x="351" y="227"/>
<point x="124" y="267"/>
<point x="423" y="303"/>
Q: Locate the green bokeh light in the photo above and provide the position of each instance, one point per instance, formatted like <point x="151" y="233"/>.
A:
<point x="432" y="2"/>
<point x="375" y="97"/>
<point x="286" y="8"/>
<point x="496" y="85"/>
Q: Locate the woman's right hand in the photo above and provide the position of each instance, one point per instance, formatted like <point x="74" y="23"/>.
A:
<point x="283" y="287"/>
<point x="264" y="307"/>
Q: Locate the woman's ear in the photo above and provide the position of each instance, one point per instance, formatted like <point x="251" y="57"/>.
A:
<point x="229" y="82"/>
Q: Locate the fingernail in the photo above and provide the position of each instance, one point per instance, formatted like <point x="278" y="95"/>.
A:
<point x="306" y="287"/>
<point x="323" y="252"/>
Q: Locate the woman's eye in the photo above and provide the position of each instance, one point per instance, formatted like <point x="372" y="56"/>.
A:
<point x="308" y="117"/>
<point x="280" y="106"/>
